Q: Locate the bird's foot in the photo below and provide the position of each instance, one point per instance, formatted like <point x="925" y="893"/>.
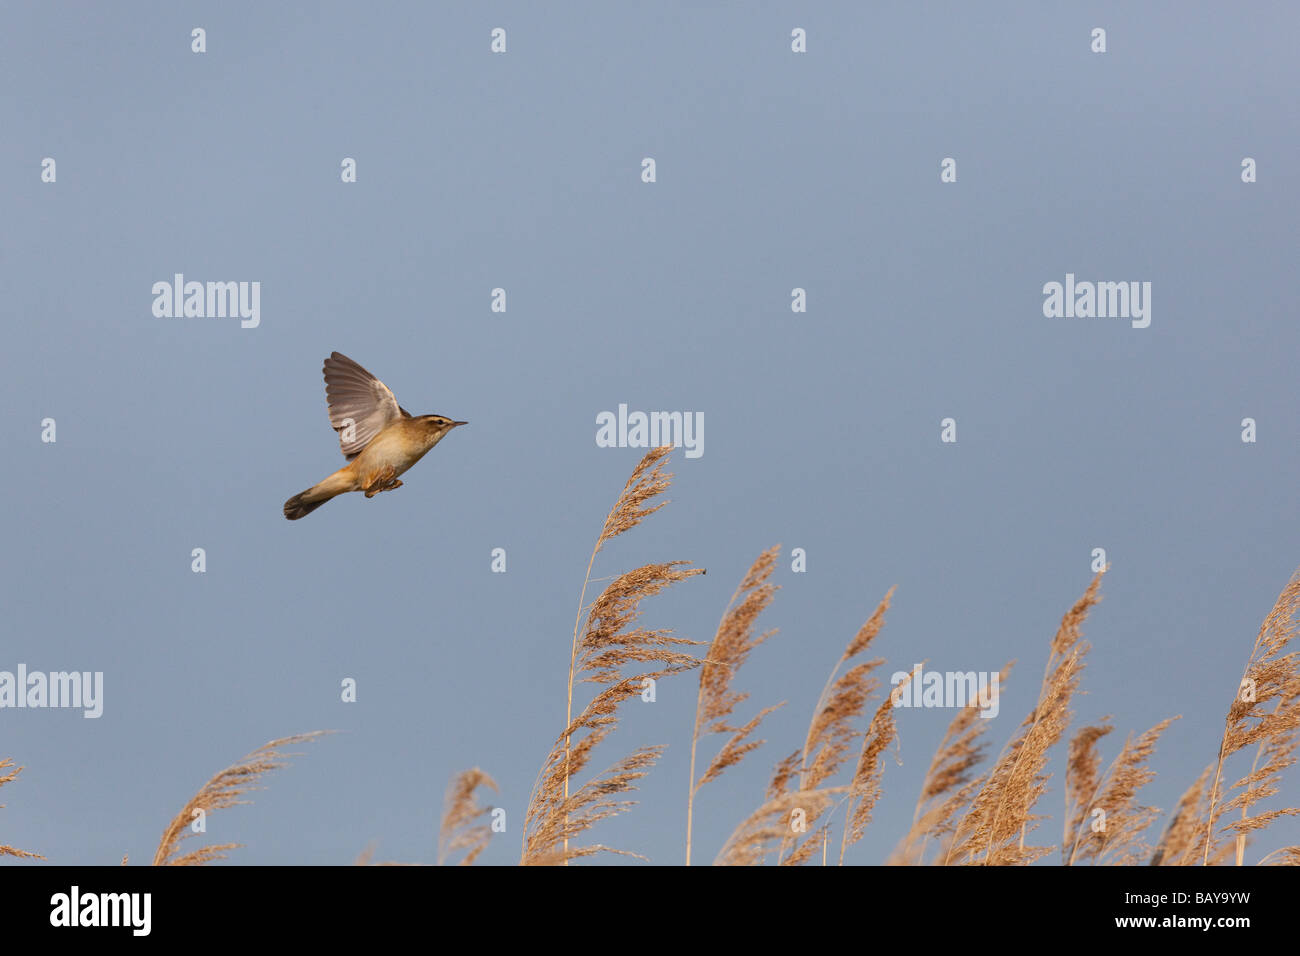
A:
<point x="386" y="480"/>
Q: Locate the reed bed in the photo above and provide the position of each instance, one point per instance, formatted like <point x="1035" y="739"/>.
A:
<point x="822" y="795"/>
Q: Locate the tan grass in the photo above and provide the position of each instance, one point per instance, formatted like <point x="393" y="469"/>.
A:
<point x="962" y="816"/>
<point x="5" y="849"/>
<point x="732" y="643"/>
<point x="1082" y="771"/>
<point x="994" y="828"/>
<point x="1285" y="856"/>
<point x="602" y="647"/>
<point x="864" y="790"/>
<point x="459" y="830"/>
<point x="222" y="791"/>
<point x="1115" y="794"/>
<point x="949" y="781"/>
<point x="1181" y="843"/>
<point x="764" y="831"/>
<point x="799" y="793"/>
<point x="1264" y="714"/>
<point x="833" y="731"/>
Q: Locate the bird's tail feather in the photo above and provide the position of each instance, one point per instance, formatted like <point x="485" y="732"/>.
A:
<point x="315" y="496"/>
<point x="300" y="505"/>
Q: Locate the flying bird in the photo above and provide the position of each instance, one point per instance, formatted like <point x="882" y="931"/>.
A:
<point x="379" y="438"/>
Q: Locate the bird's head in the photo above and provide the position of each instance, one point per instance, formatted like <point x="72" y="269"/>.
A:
<point x="436" y="426"/>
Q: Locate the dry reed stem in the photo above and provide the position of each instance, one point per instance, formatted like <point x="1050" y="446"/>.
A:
<point x="1272" y="676"/>
<point x="831" y="731"/>
<point x="1082" y="771"/>
<point x="948" y="782"/>
<point x="864" y="791"/>
<point x="766" y="829"/>
<point x="1115" y="793"/>
<point x="367" y="858"/>
<point x="1180" y="844"/>
<point x="609" y="641"/>
<point x="461" y="808"/>
<point x="548" y="833"/>
<point x="222" y="791"/>
<point x="732" y="643"/>
<point x="782" y="774"/>
<point x="1286" y="856"/>
<point x="5" y="849"/>
<point x="820" y="837"/>
<point x="646" y="482"/>
<point x="1278" y="754"/>
<point x="1001" y="814"/>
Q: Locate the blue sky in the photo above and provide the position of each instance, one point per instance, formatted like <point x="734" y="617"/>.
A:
<point x="522" y="171"/>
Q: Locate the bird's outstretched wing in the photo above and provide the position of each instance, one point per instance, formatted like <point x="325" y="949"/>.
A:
<point x="359" y="404"/>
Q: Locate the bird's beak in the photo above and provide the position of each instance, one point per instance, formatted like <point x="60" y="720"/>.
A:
<point x="454" y="424"/>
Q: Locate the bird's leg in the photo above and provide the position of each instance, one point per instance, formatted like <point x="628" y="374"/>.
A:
<point x="385" y="480"/>
<point x="378" y="481"/>
<point x="388" y="480"/>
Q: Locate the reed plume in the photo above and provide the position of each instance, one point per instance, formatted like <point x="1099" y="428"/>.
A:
<point x="1180" y="845"/>
<point x="949" y="781"/>
<point x="1265" y="715"/>
<point x="1082" y="771"/>
<point x="799" y="794"/>
<point x="832" y="730"/>
<point x="609" y="640"/>
<point x="458" y="830"/>
<point x="994" y="828"/>
<point x="5" y="849"/>
<point x="222" y="791"/>
<point x="1118" y="838"/>
<point x="864" y="790"/>
<point x="732" y="643"/>
<point x="764" y="831"/>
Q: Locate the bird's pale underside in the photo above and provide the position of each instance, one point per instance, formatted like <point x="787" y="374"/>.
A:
<point x="378" y="437"/>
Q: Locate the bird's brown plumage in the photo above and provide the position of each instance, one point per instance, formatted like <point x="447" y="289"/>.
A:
<point x="379" y="438"/>
<point x="359" y="404"/>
